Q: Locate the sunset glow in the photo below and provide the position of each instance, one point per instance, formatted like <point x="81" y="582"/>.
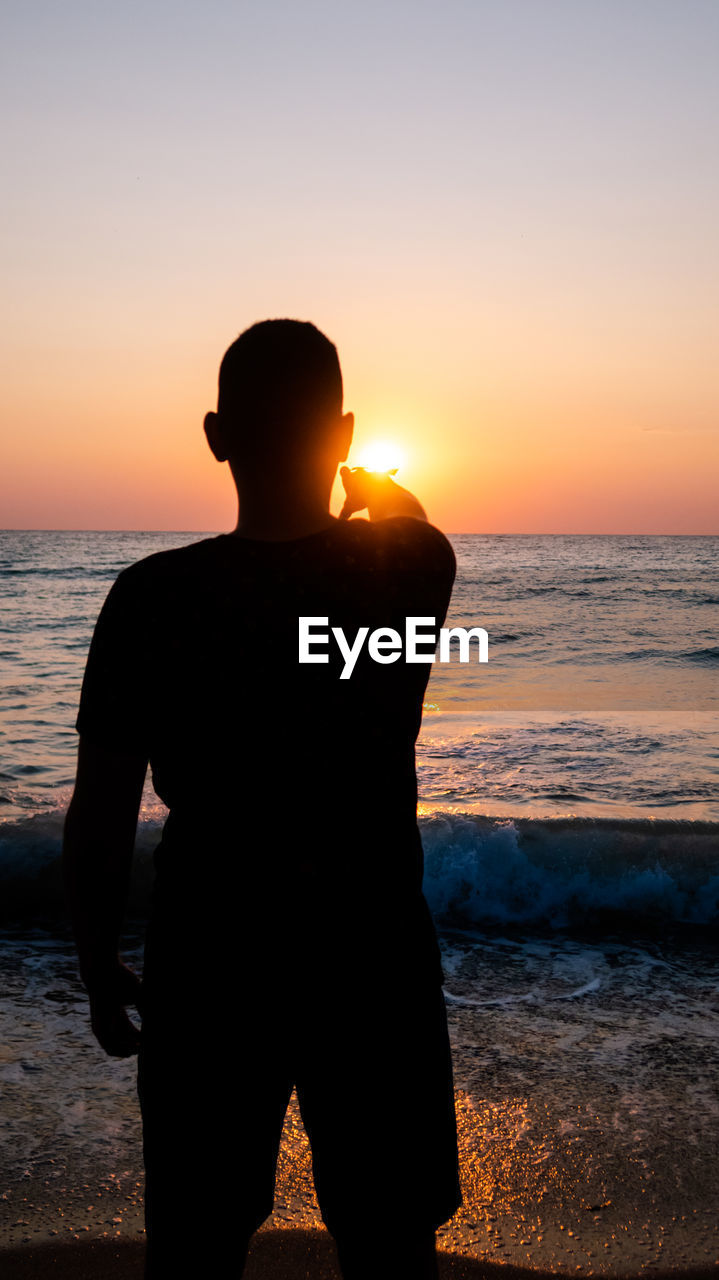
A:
<point x="380" y="455"/>
<point x="511" y="243"/>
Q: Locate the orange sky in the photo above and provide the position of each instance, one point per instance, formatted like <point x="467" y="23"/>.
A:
<point x="512" y="243"/>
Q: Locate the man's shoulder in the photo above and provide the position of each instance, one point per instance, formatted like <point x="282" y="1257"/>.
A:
<point x="406" y="539"/>
<point x="400" y="529"/>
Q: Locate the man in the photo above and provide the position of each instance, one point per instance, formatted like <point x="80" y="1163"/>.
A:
<point x="289" y="942"/>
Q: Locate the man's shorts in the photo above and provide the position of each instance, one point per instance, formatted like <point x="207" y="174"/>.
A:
<point x="362" y="1036"/>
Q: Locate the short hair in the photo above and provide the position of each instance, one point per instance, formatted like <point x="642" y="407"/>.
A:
<point x="283" y="376"/>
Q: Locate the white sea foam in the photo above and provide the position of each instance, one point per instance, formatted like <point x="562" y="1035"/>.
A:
<point x="560" y="872"/>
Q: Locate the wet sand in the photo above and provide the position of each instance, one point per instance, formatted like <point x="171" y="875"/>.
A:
<point x="276" y="1255"/>
<point x="535" y="1203"/>
<point x="586" y="1085"/>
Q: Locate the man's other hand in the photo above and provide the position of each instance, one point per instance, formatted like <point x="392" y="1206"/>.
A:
<point x="111" y="1026"/>
<point x="361" y="487"/>
<point x="379" y="493"/>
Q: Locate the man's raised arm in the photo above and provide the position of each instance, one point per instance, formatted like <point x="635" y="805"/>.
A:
<point x="379" y="493"/>
<point x="98" y="844"/>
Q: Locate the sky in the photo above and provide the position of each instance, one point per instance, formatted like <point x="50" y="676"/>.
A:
<point x="503" y="213"/>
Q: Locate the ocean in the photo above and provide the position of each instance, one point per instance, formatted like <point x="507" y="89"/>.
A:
<point x="569" y="812"/>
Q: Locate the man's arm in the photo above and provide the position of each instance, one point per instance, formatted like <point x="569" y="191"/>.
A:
<point x="379" y="493"/>
<point x="98" y="844"/>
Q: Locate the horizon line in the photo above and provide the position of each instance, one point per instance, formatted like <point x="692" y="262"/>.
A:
<point x="459" y="533"/>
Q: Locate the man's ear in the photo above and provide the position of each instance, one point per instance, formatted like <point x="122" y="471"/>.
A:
<point x="213" y="435"/>
<point x="344" y="437"/>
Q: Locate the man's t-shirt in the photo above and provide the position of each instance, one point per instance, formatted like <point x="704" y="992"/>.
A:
<point x="283" y="781"/>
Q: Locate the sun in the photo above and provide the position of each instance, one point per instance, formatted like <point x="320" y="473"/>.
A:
<point x="380" y="455"/>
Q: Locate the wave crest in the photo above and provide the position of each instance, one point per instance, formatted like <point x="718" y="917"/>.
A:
<point x="577" y="871"/>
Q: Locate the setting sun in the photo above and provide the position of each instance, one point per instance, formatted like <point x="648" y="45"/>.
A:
<point x="380" y="455"/>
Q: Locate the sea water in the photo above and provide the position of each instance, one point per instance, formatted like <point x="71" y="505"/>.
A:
<point x="569" y="812"/>
<point x="595" y="720"/>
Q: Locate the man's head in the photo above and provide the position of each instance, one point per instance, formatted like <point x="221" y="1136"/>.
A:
<point x="280" y="400"/>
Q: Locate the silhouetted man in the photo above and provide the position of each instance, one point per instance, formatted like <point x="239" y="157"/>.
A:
<point x="289" y="942"/>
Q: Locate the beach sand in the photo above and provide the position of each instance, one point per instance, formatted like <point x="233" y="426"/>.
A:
<point x="276" y="1255"/>
<point x="587" y="1114"/>
<point x="525" y="1213"/>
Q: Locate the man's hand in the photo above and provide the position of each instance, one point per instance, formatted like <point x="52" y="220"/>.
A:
<point x="361" y="488"/>
<point x="112" y="1028"/>
<point x="378" y="492"/>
